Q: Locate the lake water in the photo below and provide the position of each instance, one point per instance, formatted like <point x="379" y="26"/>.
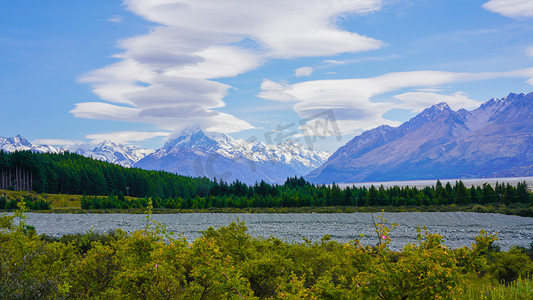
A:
<point x="458" y="228"/>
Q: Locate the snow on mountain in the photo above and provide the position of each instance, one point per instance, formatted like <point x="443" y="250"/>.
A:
<point x="288" y="152"/>
<point x="493" y="140"/>
<point x="111" y="152"/>
<point x="18" y="143"/>
<point x="198" y="154"/>
<point x="108" y="151"/>
<point x="216" y="155"/>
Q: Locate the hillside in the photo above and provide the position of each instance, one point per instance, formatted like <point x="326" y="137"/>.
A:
<point x="494" y="140"/>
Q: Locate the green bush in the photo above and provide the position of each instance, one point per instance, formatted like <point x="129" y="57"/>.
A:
<point x="509" y="266"/>
<point x="229" y="263"/>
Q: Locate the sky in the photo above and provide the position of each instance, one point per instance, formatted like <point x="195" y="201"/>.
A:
<point x="317" y="72"/>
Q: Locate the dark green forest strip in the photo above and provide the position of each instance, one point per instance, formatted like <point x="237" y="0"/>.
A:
<point x="513" y="209"/>
<point x="103" y="186"/>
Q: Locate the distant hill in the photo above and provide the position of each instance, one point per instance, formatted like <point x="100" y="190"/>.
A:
<point x="494" y="140"/>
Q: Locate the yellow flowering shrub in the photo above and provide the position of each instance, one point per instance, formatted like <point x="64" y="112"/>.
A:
<point x="228" y="263"/>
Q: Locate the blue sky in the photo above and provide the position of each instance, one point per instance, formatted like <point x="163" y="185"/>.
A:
<point x="138" y="72"/>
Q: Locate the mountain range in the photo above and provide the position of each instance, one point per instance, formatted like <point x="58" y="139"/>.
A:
<point x="197" y="153"/>
<point x="494" y="140"/>
<point x="18" y="143"/>
<point x="108" y="151"/>
<point x="216" y="155"/>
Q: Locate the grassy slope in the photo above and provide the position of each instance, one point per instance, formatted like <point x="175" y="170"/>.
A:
<point x="57" y="201"/>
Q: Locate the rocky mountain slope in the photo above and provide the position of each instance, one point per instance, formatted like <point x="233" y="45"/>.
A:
<point x="494" y="140"/>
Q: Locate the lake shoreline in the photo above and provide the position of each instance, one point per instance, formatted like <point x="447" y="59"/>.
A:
<point x="518" y="209"/>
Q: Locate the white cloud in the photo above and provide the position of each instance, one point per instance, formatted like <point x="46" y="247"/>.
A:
<point x="511" y="8"/>
<point x="303" y="71"/>
<point x="278" y="91"/>
<point x="56" y="142"/>
<point x="219" y="62"/>
<point x="418" y="101"/>
<point x="116" y="19"/>
<point x="104" y="111"/>
<point x="351" y="99"/>
<point x="285" y="28"/>
<point x="167" y="76"/>
<point x="125" y="137"/>
<point x="334" y="62"/>
<point x="430" y="90"/>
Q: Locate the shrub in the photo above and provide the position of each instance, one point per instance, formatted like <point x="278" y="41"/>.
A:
<point x="229" y="263"/>
<point x="509" y="266"/>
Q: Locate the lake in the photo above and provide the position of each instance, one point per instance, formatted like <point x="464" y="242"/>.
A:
<point x="458" y="228"/>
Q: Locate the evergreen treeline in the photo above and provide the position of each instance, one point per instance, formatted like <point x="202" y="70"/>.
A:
<point x="69" y="173"/>
<point x="296" y="192"/>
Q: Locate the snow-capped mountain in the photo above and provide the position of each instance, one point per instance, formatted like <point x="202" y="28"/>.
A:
<point x="123" y="155"/>
<point x="494" y="140"/>
<point x="18" y="143"/>
<point x="216" y="155"/>
<point x="108" y="151"/>
<point x="197" y="153"/>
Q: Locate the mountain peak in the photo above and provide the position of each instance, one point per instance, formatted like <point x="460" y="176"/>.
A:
<point x="520" y="98"/>
<point x="199" y="153"/>
<point x="443" y="106"/>
<point x="427" y="115"/>
<point x="433" y="111"/>
<point x="107" y="143"/>
<point x="17" y="141"/>
<point x="492" y="140"/>
<point x="194" y="139"/>
<point x="21" y="140"/>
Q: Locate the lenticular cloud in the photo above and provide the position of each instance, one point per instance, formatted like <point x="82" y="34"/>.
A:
<point x="168" y="76"/>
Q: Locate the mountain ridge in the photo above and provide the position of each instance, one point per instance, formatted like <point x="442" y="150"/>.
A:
<point x="217" y="155"/>
<point x="493" y="140"/>
<point x="197" y="153"/>
<point x="440" y="143"/>
<point x="109" y="151"/>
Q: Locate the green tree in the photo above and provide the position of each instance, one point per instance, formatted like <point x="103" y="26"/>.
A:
<point x="462" y="195"/>
<point x="372" y="197"/>
<point x="488" y="195"/>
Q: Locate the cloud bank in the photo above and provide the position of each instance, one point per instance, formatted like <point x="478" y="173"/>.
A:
<point x="168" y="76"/>
<point x="56" y="142"/>
<point x="352" y="99"/>
<point x="125" y="137"/>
